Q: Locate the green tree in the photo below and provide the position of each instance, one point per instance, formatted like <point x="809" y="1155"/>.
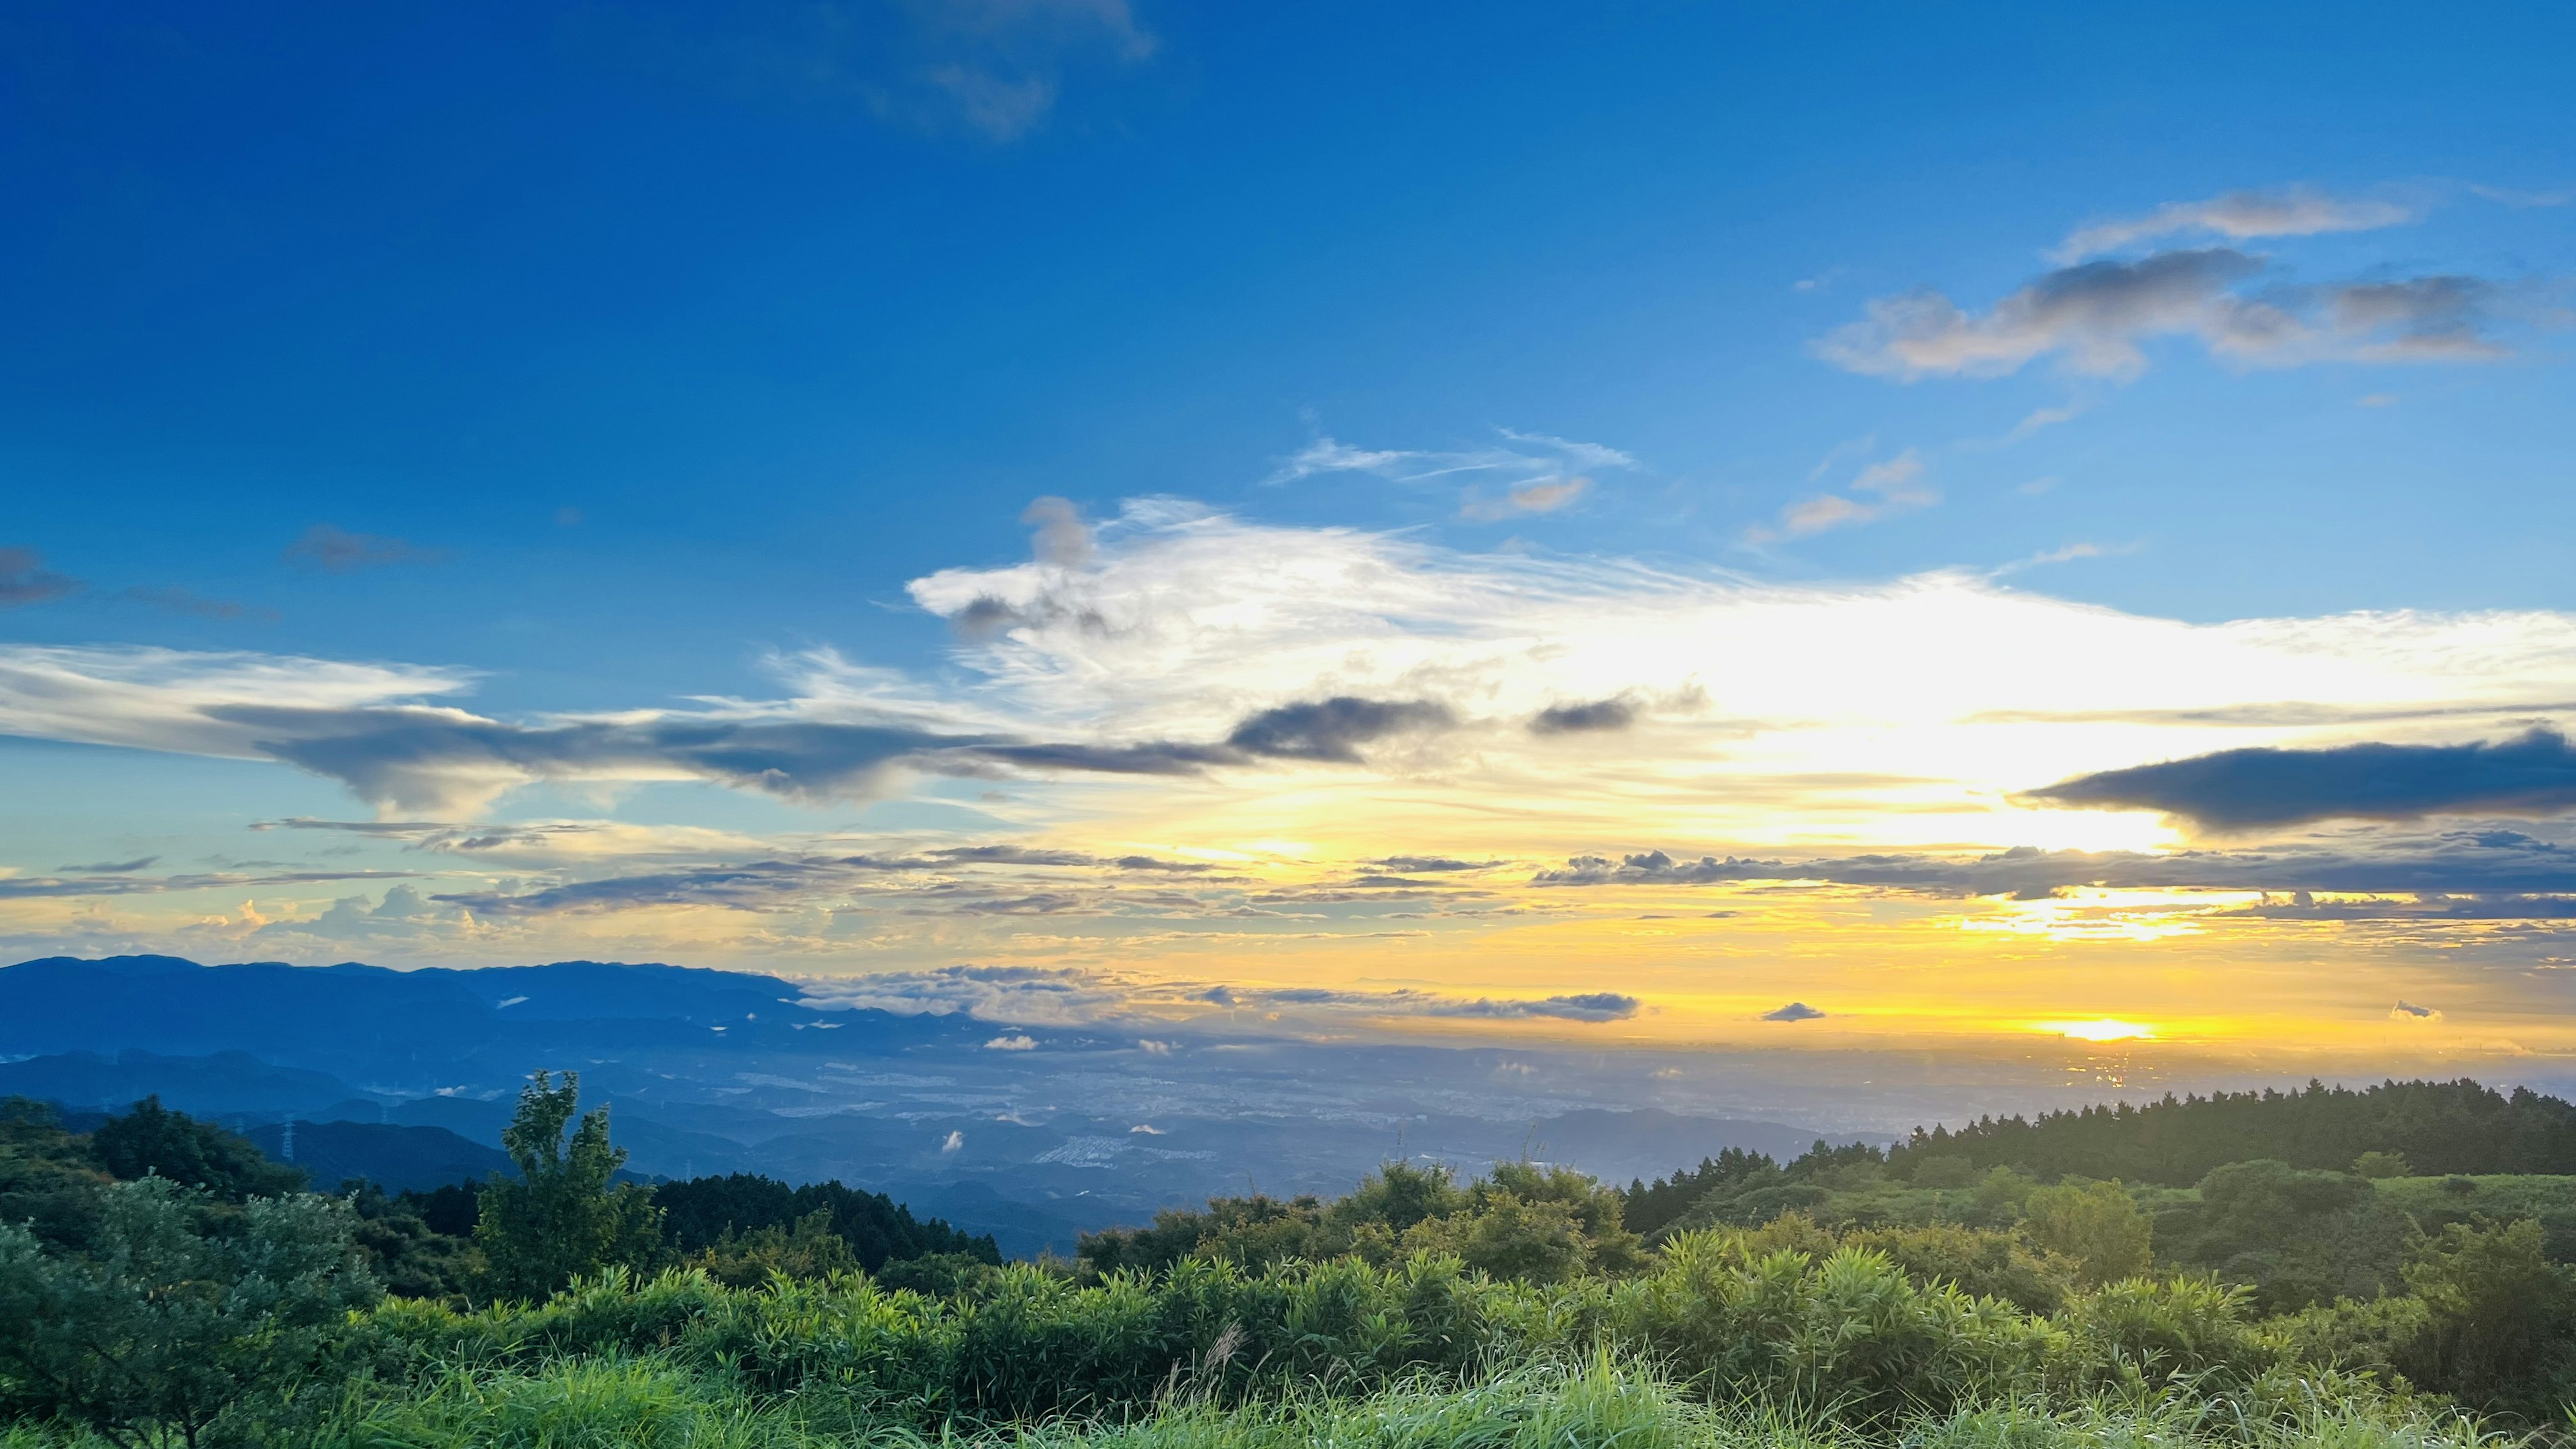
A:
<point x="48" y="1180"/>
<point x="183" y="1310"/>
<point x="809" y="1251"/>
<point x="566" y="1216"/>
<point x="153" y="1141"/>
<point x="2377" y="1164"/>
<point x="2095" y="1223"/>
<point x="2502" y="1317"/>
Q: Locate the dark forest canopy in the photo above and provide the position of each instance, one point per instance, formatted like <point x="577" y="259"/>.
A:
<point x="700" y="1213"/>
<point x="2438" y="1127"/>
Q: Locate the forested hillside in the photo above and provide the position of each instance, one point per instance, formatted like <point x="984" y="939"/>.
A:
<point x="162" y="1282"/>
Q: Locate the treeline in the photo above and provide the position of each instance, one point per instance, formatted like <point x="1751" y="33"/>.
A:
<point x="431" y="1244"/>
<point x="2438" y="1127"/>
<point x="2424" y="1128"/>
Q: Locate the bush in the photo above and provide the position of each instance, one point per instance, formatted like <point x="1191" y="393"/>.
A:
<point x="2096" y="1225"/>
<point x="183" y="1312"/>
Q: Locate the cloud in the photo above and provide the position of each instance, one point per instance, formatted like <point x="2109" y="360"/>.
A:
<point x="1593" y="1006"/>
<point x="120" y="867"/>
<point x="1794" y="1011"/>
<point x="1333" y="729"/>
<point x="1427" y="864"/>
<point x="1015" y="1042"/>
<point x="993" y="69"/>
<point x="1896" y="482"/>
<point x="2066" y="553"/>
<point x="1063" y="539"/>
<point x="1537" y="473"/>
<point x="2531" y="775"/>
<point x="2408" y="1011"/>
<point x="180" y="601"/>
<point x="336" y="550"/>
<point x="2488" y="864"/>
<point x="1593" y="717"/>
<point x="1545" y="496"/>
<point x="350" y="723"/>
<point x="123" y="883"/>
<point x="2240" y="216"/>
<point x="25" y="580"/>
<point x="2094" y="317"/>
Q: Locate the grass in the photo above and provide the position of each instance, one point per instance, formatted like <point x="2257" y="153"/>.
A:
<point x="1599" y="1403"/>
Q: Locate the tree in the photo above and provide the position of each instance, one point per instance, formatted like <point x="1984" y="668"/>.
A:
<point x="810" y="1250"/>
<point x="153" y="1141"/>
<point x="2377" y="1164"/>
<point x="2502" y="1317"/>
<point x="47" y="1180"/>
<point x="184" y="1309"/>
<point x="2095" y="1223"/>
<point x="566" y="1216"/>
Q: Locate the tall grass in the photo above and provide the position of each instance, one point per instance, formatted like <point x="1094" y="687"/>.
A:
<point x="1599" y="1402"/>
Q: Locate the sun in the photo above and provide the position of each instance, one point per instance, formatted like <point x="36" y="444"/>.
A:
<point x="2100" y="1028"/>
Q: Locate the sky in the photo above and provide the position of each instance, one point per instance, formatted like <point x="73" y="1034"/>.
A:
<point x="1859" y="526"/>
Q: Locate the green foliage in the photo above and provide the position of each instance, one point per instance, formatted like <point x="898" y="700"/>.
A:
<point x="698" y="1213"/>
<point x="153" y="1141"/>
<point x="48" y="1181"/>
<point x="2376" y="1165"/>
<point x="2499" y="1316"/>
<point x="566" y="1216"/>
<point x="2550" y="1201"/>
<point x="2096" y="1225"/>
<point x="182" y="1311"/>
<point x="2440" y="1127"/>
<point x="1525" y="1221"/>
<point x="1650" y="1209"/>
<point x="809" y="1249"/>
<point x="2293" y="1236"/>
<point x="410" y="1257"/>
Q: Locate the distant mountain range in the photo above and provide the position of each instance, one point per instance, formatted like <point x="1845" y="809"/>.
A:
<point x="409" y="1076"/>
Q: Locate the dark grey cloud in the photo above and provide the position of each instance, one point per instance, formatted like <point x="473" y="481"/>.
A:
<point x="24" y="579"/>
<point x="2427" y="906"/>
<point x="1162" y="757"/>
<point x="116" y="867"/>
<point x="2420" y="1013"/>
<point x="2431" y="318"/>
<point x="336" y="550"/>
<point x="2096" y="314"/>
<point x="2533" y="774"/>
<point x="1794" y="1011"/>
<point x="1599" y="716"/>
<point x="2486" y="863"/>
<point x="1428" y="864"/>
<point x="1333" y="729"/>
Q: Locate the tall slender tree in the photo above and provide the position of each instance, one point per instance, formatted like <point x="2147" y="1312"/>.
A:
<point x="566" y="1216"/>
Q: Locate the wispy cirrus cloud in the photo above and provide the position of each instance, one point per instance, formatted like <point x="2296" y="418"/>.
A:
<point x="2241" y="216"/>
<point x="1523" y="475"/>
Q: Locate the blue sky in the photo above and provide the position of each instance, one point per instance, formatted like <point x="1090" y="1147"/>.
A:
<point x="600" y="357"/>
